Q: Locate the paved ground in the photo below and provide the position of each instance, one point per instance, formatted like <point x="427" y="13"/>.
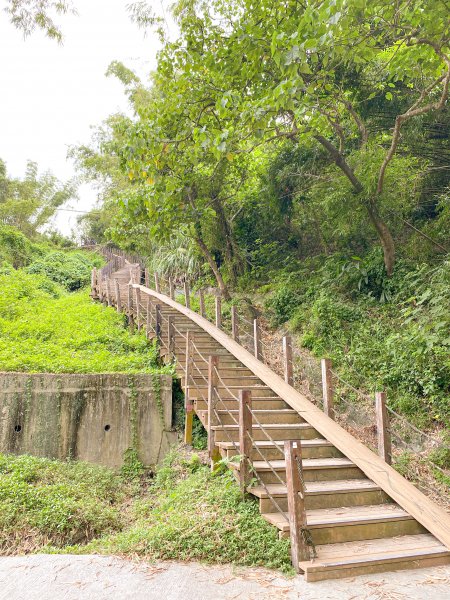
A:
<point x="43" y="577"/>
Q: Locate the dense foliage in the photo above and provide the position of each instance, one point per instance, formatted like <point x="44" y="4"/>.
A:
<point x="50" y="502"/>
<point x="43" y="328"/>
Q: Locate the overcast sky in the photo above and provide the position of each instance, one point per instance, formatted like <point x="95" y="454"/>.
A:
<point x="52" y="94"/>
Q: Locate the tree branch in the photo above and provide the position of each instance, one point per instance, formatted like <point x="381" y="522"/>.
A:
<point x="341" y="162"/>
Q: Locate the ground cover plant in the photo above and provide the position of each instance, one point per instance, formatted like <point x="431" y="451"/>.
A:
<point x="74" y="507"/>
<point x="227" y="528"/>
<point x="45" y="329"/>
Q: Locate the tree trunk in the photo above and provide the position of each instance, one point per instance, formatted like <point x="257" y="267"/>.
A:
<point x="384" y="235"/>
<point x="214" y="268"/>
<point x="231" y="249"/>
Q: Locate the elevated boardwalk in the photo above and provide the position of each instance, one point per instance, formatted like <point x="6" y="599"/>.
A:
<point x="358" y="515"/>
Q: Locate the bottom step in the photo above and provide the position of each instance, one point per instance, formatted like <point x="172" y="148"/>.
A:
<point x="335" y="561"/>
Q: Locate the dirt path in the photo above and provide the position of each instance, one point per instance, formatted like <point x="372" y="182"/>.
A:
<point x="42" y="577"/>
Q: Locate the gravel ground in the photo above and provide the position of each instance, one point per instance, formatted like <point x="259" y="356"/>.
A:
<point x="42" y="577"/>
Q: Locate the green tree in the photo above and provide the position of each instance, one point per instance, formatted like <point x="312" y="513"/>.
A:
<point x="29" y="203"/>
<point x="29" y="15"/>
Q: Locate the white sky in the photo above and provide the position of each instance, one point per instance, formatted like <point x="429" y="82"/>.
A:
<point x="51" y="94"/>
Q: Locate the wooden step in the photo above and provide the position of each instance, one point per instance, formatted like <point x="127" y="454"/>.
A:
<point x="349" y="559"/>
<point x="276" y="431"/>
<point x="324" y="494"/>
<point x="284" y="416"/>
<point x="258" y="403"/>
<point x="315" y="448"/>
<point x="231" y="391"/>
<point x="350" y="523"/>
<point x="314" y="469"/>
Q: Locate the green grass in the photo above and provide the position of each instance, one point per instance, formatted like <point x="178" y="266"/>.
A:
<point x="45" y="501"/>
<point x="45" y="329"/>
<point x="184" y="512"/>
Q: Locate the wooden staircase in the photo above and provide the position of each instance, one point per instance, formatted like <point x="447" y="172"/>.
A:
<point x="361" y="515"/>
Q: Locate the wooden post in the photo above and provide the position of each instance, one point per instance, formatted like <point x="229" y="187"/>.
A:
<point x="170" y="336"/>
<point x="383" y="431"/>
<point x="130" y="306"/>
<point x="157" y="286"/>
<point x="118" y="299"/>
<point x="146" y="279"/>
<point x="108" y="292"/>
<point x="171" y="288"/>
<point x="213" y="420"/>
<point x="137" y="291"/>
<point x="158" y="321"/>
<point x="219" y="312"/>
<point x="245" y="441"/>
<point x="327" y="388"/>
<point x="257" y="339"/>
<point x="148" y="327"/>
<point x="234" y="324"/>
<point x="287" y="358"/>
<point x="188" y="406"/>
<point x="296" y="501"/>
<point x="94" y="293"/>
<point x="201" y="295"/>
<point x="187" y="298"/>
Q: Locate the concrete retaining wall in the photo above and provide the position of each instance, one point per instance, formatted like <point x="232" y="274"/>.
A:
<point x="94" y="417"/>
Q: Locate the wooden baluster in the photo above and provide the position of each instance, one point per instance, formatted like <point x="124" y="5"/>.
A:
<point x="257" y="340"/>
<point x="118" y="299"/>
<point x="171" y="289"/>
<point x="187" y="297"/>
<point x="219" y="312"/>
<point x="130" y="306"/>
<point x="383" y="430"/>
<point x="170" y="336"/>
<point x="296" y="502"/>
<point x="94" y="293"/>
<point x="148" y="328"/>
<point x="137" y="291"/>
<point x="158" y="321"/>
<point x="245" y="439"/>
<point x="188" y="405"/>
<point x="213" y="419"/>
<point x="327" y="388"/>
<point x="235" y="324"/>
<point x="287" y="359"/>
<point x="157" y="285"/>
<point x="146" y="278"/>
<point x="202" y="302"/>
<point x="108" y="293"/>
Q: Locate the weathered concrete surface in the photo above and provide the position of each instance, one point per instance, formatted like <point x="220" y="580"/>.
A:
<point x="43" y="577"/>
<point x="92" y="417"/>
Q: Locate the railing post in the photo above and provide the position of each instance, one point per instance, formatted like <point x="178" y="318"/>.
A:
<point x="158" y="322"/>
<point x="188" y="406"/>
<point x="118" y="299"/>
<point x="94" y="283"/>
<point x="234" y="324"/>
<point x="157" y="286"/>
<point x="108" y="292"/>
<point x="383" y="431"/>
<point x="296" y="501"/>
<point x="146" y="278"/>
<point x="245" y="438"/>
<point x="171" y="289"/>
<point x="187" y="297"/>
<point x="327" y="388"/>
<point x="130" y="306"/>
<point x="219" y="312"/>
<point x="213" y="419"/>
<point x="287" y="358"/>
<point x="148" y="327"/>
<point x="257" y="339"/>
<point x="201" y="296"/>
<point x="138" y="307"/>
<point x="170" y="336"/>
